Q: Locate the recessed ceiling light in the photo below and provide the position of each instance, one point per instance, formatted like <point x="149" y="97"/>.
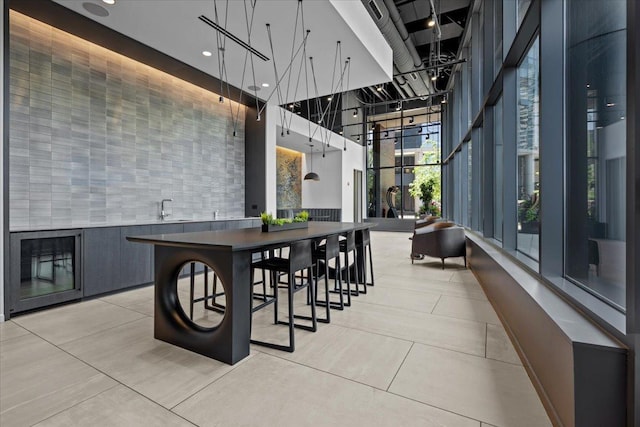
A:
<point x="265" y="84"/>
<point x="109" y="1"/>
<point x="206" y="53"/>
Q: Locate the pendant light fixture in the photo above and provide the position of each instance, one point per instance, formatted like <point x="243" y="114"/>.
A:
<point x="311" y="176"/>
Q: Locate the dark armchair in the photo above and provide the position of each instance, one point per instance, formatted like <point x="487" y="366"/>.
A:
<point x="427" y="220"/>
<point x="440" y="240"/>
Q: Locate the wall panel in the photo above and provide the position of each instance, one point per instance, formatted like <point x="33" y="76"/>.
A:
<point x="98" y="138"/>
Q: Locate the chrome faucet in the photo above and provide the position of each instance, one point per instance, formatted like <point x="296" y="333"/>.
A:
<point x="163" y="214"/>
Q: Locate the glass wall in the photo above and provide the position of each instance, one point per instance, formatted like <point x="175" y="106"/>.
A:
<point x="596" y="154"/>
<point x="469" y="218"/>
<point x="497" y="171"/>
<point x="523" y="6"/>
<point x="528" y="149"/>
<point x="556" y="120"/>
<point x="588" y="142"/>
<point x="497" y="37"/>
<point x="404" y="171"/>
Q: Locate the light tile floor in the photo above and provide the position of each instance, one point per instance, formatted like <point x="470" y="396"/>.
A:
<point x="422" y="348"/>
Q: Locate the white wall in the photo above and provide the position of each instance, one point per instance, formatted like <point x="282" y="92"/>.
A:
<point x="335" y="188"/>
<point x="1" y="161"/>
<point x="353" y="158"/>
<point x="325" y="193"/>
<point x="270" y="158"/>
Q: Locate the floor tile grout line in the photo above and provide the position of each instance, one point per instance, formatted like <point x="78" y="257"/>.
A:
<point x="27" y="332"/>
<point x="483" y="298"/>
<point x="482" y="322"/>
<point x="96" y="332"/>
<point x="486" y="340"/>
<point x="415" y="291"/>
<point x="128" y="308"/>
<point x="400" y="367"/>
<point x="118" y="382"/>
<point x="233" y="368"/>
<point x="505" y="361"/>
<point x="400" y="308"/>
<point x="437" y="407"/>
<point x="76" y="404"/>
<point x="428" y="345"/>
<point x="436" y="304"/>
<point x="295" y="362"/>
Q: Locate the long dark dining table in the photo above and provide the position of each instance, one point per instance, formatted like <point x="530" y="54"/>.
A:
<point x="229" y="253"/>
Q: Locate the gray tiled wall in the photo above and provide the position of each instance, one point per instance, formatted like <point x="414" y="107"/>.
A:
<point x="97" y="138"/>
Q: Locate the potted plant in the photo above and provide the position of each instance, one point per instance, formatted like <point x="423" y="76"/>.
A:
<point x="270" y="223"/>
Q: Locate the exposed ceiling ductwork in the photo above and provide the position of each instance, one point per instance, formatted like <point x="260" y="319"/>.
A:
<point x="405" y="56"/>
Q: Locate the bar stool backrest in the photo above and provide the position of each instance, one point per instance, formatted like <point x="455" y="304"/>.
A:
<point x="300" y="255"/>
<point x="363" y="238"/>
<point x="350" y="240"/>
<point x="332" y="246"/>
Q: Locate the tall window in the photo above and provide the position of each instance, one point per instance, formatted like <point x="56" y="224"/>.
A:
<point x="404" y="171"/>
<point x="497" y="171"/>
<point x="528" y="150"/>
<point x="497" y="37"/>
<point x="523" y="6"/>
<point x="596" y="147"/>
<point x="469" y="218"/>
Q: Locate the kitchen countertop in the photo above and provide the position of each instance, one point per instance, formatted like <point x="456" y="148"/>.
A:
<point x="129" y="224"/>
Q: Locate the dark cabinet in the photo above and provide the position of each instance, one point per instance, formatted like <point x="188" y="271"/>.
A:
<point x="101" y="255"/>
<point x="167" y="228"/>
<point x="194" y="227"/>
<point x="218" y="225"/>
<point x="135" y="258"/>
<point x="45" y="269"/>
<point x="240" y="223"/>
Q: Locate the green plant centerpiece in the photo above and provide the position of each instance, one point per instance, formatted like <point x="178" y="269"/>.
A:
<point x="271" y="223"/>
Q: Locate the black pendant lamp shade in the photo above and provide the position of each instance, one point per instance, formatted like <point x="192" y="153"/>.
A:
<point x="311" y="176"/>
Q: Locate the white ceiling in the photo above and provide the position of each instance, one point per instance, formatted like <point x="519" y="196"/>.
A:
<point x="173" y="27"/>
<point x="299" y="142"/>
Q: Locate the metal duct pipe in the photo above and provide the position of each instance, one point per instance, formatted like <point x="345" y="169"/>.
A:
<point x="402" y="58"/>
<point x="402" y="82"/>
<point x="394" y="14"/>
<point x="398" y="89"/>
<point x="402" y="30"/>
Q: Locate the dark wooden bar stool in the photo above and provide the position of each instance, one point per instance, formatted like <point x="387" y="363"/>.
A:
<point x="209" y="300"/>
<point x="363" y="244"/>
<point x="300" y="259"/>
<point x="207" y="297"/>
<point x="324" y="253"/>
<point x="348" y="246"/>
